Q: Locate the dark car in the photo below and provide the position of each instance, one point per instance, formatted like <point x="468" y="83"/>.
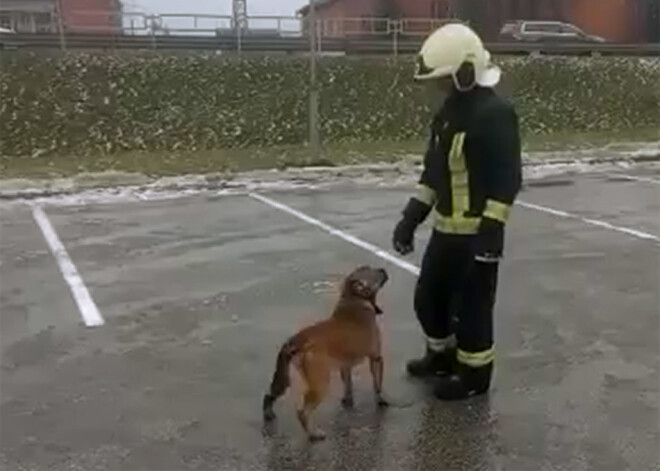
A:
<point x="545" y="31"/>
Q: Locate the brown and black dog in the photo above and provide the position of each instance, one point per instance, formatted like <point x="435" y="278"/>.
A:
<point x="340" y="342"/>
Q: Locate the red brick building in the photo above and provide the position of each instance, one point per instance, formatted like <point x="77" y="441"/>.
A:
<point x="342" y="17"/>
<point x="615" y="20"/>
<point x="94" y="16"/>
<point x="41" y="16"/>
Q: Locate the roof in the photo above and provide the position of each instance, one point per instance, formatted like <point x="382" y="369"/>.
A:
<point x="317" y="3"/>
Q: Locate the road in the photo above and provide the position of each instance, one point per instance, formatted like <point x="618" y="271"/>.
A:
<point x="196" y="295"/>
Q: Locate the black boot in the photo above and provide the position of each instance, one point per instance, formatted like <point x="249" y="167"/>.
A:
<point x="433" y="363"/>
<point x="466" y="383"/>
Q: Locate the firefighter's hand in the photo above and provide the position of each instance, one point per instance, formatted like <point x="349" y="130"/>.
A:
<point x="489" y="241"/>
<point x="403" y="238"/>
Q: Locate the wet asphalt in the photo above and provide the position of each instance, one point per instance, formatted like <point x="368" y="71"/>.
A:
<point x="199" y="292"/>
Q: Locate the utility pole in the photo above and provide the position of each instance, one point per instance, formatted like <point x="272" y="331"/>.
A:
<point x="60" y="24"/>
<point x="313" y="86"/>
<point x="239" y="16"/>
<point x="239" y="13"/>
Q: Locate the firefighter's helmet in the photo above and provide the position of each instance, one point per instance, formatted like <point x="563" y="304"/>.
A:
<point x="449" y="48"/>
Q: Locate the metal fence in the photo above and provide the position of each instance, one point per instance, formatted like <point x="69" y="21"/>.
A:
<point x="265" y="34"/>
<point x="292" y="45"/>
<point x="192" y="31"/>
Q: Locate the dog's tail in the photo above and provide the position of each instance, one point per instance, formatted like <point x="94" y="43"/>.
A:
<point x="281" y="381"/>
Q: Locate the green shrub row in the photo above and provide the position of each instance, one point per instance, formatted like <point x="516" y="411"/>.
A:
<point x="103" y="103"/>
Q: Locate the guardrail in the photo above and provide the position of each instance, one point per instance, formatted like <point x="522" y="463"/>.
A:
<point x="271" y="43"/>
<point x="103" y="22"/>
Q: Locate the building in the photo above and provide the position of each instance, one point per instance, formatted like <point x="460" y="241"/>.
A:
<point x="79" y="16"/>
<point x="92" y="16"/>
<point x="615" y="20"/>
<point x="28" y="16"/>
<point x="364" y="17"/>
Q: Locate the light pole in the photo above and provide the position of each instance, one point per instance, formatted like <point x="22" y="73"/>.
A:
<point x="313" y="86"/>
<point x="239" y="14"/>
<point x="60" y="24"/>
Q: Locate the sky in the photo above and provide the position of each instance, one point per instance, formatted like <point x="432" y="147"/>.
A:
<point x="219" y="7"/>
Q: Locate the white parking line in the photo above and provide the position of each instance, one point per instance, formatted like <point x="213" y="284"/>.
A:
<point x="341" y="234"/>
<point x="414" y="269"/>
<point x="593" y="222"/>
<point x="634" y="178"/>
<point x="90" y="313"/>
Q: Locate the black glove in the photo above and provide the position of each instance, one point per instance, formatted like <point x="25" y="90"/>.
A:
<point x="404" y="236"/>
<point x="404" y="233"/>
<point x="489" y="243"/>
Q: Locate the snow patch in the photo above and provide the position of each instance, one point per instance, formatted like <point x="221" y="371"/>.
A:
<point x="118" y="187"/>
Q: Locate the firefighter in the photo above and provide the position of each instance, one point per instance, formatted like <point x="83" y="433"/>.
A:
<point x="470" y="179"/>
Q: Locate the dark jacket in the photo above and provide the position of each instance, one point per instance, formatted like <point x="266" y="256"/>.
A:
<point x="472" y="167"/>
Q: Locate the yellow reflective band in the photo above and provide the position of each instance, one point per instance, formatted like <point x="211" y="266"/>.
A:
<point x="425" y="194"/>
<point x="457" y="224"/>
<point x="475" y="359"/>
<point x="496" y="210"/>
<point x="439" y="345"/>
<point x="460" y="192"/>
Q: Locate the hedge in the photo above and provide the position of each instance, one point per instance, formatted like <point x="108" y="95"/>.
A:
<point x="87" y="104"/>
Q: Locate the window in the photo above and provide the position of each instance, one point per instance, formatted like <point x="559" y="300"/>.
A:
<point x="553" y="28"/>
<point x="43" y="22"/>
<point x="24" y="21"/>
<point x="570" y="29"/>
<point x="5" y="20"/>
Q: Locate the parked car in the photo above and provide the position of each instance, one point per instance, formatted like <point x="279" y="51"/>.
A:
<point x="7" y="38"/>
<point x="545" y="31"/>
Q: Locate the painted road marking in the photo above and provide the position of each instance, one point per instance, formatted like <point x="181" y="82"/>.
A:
<point x="341" y="234"/>
<point x="634" y="178"/>
<point x="409" y="266"/>
<point x="593" y="222"/>
<point x="90" y="313"/>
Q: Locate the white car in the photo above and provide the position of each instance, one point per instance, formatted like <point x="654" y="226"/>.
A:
<point x="545" y="31"/>
<point x="7" y="38"/>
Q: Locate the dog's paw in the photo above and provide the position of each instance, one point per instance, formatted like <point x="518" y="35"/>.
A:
<point x="317" y="435"/>
<point x="269" y="415"/>
<point x="382" y="403"/>
<point x="348" y="402"/>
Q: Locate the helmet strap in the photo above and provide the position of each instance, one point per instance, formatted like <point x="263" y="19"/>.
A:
<point x="464" y="78"/>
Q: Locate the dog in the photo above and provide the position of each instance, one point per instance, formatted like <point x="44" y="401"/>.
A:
<point x="341" y="342"/>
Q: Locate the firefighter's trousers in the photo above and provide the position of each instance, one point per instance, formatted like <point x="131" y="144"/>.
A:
<point x="452" y="283"/>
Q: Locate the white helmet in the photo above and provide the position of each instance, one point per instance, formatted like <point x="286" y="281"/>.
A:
<point x="449" y="47"/>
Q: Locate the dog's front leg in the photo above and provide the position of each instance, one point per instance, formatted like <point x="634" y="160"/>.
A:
<point x="347" y="379"/>
<point x="376" y="367"/>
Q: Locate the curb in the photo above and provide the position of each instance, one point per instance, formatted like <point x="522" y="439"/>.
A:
<point x="301" y="175"/>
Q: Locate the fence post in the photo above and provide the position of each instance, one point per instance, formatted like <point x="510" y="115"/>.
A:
<point x="394" y="26"/>
<point x="239" y="39"/>
<point x="152" y="28"/>
<point x="313" y="86"/>
<point x="396" y="45"/>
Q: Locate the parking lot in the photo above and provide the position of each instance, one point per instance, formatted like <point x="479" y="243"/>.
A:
<point x="195" y="295"/>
